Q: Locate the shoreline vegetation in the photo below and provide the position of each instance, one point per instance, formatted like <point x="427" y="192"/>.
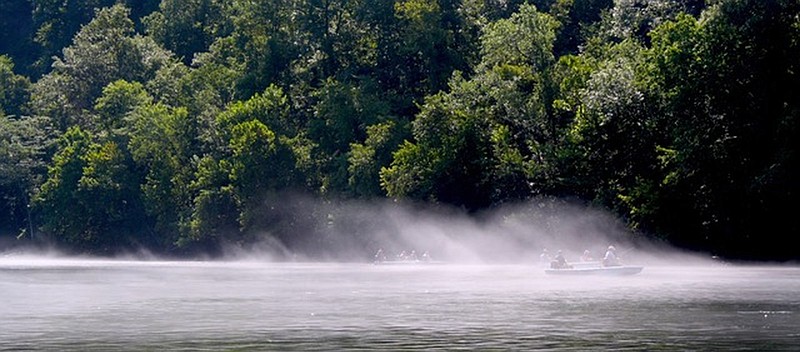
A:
<point x="188" y="129"/>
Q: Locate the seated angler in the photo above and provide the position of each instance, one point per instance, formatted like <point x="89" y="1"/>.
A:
<point x="559" y="262"/>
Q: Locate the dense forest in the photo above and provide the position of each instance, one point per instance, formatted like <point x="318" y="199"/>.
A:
<point x="179" y="125"/>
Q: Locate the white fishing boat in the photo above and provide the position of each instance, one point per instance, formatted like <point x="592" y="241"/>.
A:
<point x="596" y="270"/>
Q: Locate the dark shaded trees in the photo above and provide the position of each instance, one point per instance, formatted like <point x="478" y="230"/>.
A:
<point x="726" y="81"/>
<point x="186" y="130"/>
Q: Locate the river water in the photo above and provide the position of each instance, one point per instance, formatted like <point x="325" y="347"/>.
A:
<point x="84" y="305"/>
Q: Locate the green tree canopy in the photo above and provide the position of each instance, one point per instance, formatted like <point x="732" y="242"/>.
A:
<point x="105" y="50"/>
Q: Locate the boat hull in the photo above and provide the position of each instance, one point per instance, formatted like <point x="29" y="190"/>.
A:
<point x="610" y="270"/>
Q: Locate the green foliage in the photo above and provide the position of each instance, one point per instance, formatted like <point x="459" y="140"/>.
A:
<point x="723" y="78"/>
<point x="452" y="151"/>
<point x="259" y="48"/>
<point x="161" y="139"/>
<point x="431" y="44"/>
<point x="480" y="144"/>
<point x="188" y="27"/>
<point x="90" y="199"/>
<point x="366" y="159"/>
<point x="118" y="100"/>
<point x="634" y="19"/>
<point x="524" y="39"/>
<point x="228" y="189"/>
<point x="56" y="22"/>
<point x="105" y="50"/>
<point x="214" y="210"/>
<point x="657" y="110"/>
<point x="269" y="108"/>
<point x="334" y="39"/>
<point x="341" y="116"/>
<point x="14" y="89"/>
<point x="24" y="142"/>
<point x="577" y="22"/>
<point x="616" y="129"/>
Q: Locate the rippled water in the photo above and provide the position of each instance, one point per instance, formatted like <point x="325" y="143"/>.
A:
<point x="133" y="306"/>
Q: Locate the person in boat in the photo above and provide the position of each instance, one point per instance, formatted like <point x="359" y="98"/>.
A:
<point x="425" y="257"/>
<point x="412" y="256"/>
<point x="611" y="258"/>
<point x="560" y="262"/>
<point x="545" y="257"/>
<point x="380" y="256"/>
<point x="587" y="256"/>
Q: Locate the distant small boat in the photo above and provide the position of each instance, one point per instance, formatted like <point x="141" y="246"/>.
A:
<point x="597" y="270"/>
<point x="407" y="262"/>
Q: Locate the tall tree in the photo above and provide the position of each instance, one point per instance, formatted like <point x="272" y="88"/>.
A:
<point x="24" y="143"/>
<point x="105" y="50"/>
<point x="57" y="22"/>
<point x="365" y="160"/>
<point x="90" y="200"/>
<point x="189" y="27"/>
<point x="161" y="141"/>
<point x="14" y="89"/>
<point x="341" y="115"/>
<point x="480" y="143"/>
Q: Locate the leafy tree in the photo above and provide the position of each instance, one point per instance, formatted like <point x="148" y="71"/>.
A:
<point x="524" y="39"/>
<point x="578" y="20"/>
<point x="172" y="85"/>
<point x="230" y="186"/>
<point x="465" y="152"/>
<point x="271" y="108"/>
<point x="115" y="105"/>
<point x="616" y="131"/>
<point x="340" y="117"/>
<point x="24" y="143"/>
<point x="480" y="143"/>
<point x="366" y="159"/>
<point x="214" y="210"/>
<point x="205" y="92"/>
<point x="160" y="143"/>
<point x="188" y="27"/>
<point x="90" y="200"/>
<point x="335" y="40"/>
<point x="482" y="12"/>
<point x="105" y="50"/>
<point x="634" y="19"/>
<point x="14" y="89"/>
<point x="56" y="22"/>
<point x="260" y="163"/>
<point x="260" y="46"/>
<point x="429" y="33"/>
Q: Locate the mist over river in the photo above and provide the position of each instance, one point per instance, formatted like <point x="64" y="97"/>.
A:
<point x="91" y="305"/>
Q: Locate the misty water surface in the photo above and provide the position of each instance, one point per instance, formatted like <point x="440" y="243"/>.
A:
<point x="80" y="305"/>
